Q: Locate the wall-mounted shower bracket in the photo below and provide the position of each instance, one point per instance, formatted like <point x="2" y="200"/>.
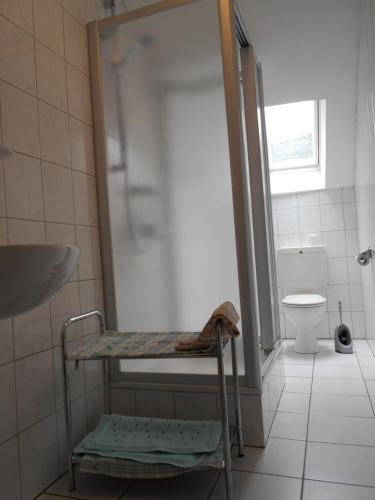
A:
<point x="364" y="258"/>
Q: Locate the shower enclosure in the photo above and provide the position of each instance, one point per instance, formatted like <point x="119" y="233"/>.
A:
<point x="183" y="186"/>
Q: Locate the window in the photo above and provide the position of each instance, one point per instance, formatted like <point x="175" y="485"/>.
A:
<point x="293" y="135"/>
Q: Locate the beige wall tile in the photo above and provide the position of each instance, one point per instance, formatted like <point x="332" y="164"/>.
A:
<point x="10" y="468"/>
<point x="32" y="331"/>
<point x="64" y="305"/>
<point x="19" y="120"/>
<point x="26" y="232"/>
<point x="76" y="377"/>
<point x="85" y="203"/>
<point x="89" y="262"/>
<point x="82" y="146"/>
<point x="95" y="407"/>
<point x="3" y="232"/>
<point x="77" y="9"/>
<point x="39" y="457"/>
<point x="8" y="413"/>
<point x="79" y="100"/>
<point x="51" y="78"/>
<point x="48" y="23"/>
<point x="91" y="297"/>
<point x="23" y="187"/>
<point x="16" y="56"/>
<point x="35" y="391"/>
<point x="95" y="10"/>
<point x="58" y="193"/>
<point x="6" y="341"/>
<point x="20" y="12"/>
<point x="75" y="36"/>
<point x="54" y="135"/>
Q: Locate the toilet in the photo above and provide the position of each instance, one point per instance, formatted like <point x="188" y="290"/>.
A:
<point x="301" y="271"/>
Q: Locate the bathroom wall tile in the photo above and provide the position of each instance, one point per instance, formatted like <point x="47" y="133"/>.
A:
<point x="35" y="392"/>
<point x="308" y="199"/>
<point x="309" y="220"/>
<point x="48" y="23"/>
<point x="350" y="216"/>
<point x="359" y="325"/>
<point x="3" y="232"/>
<point x="51" y="78"/>
<point x="20" y="12"/>
<point x="123" y="401"/>
<point x="8" y="414"/>
<point x="77" y="8"/>
<point x="368" y="296"/>
<point x="10" y="469"/>
<point x="287" y="221"/>
<point x="82" y="147"/>
<point x="85" y="202"/>
<point x="336" y="293"/>
<point x="337" y="271"/>
<point x="19" y="116"/>
<point x="194" y="405"/>
<point x="23" y="187"/>
<point x="348" y="194"/>
<point x="330" y="196"/>
<point x="332" y="217"/>
<point x="54" y="135"/>
<point x="2" y="190"/>
<point x="39" y="441"/>
<point x="76" y="376"/>
<point x="352" y="243"/>
<point x="91" y="297"/>
<point x="335" y="243"/>
<point x="89" y="263"/>
<point x="26" y="232"/>
<point x="157" y="404"/>
<point x="6" y="341"/>
<point x="311" y="239"/>
<point x="79" y="101"/>
<point x="79" y="429"/>
<point x="289" y="240"/>
<point x="95" y="10"/>
<point x="356" y="297"/>
<point x="65" y="304"/>
<point x="286" y="201"/>
<point x="32" y="331"/>
<point x="76" y="51"/>
<point x="17" y="56"/>
<point x="58" y="193"/>
<point x="354" y="271"/>
<point x="322" y="327"/>
<point x="95" y="407"/>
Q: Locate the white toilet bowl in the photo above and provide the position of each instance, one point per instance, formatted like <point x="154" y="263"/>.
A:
<point x="305" y="311"/>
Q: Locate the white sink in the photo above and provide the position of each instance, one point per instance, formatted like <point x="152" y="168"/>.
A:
<point x="31" y="274"/>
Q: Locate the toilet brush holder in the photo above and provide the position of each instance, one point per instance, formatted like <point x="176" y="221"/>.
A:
<point x="343" y="338"/>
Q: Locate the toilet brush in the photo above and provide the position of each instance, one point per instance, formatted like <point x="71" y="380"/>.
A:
<point x="343" y="338"/>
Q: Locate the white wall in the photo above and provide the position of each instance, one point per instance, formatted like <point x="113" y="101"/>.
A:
<point x="308" y="51"/>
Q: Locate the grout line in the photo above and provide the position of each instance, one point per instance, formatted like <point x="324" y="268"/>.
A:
<point x="363" y="378"/>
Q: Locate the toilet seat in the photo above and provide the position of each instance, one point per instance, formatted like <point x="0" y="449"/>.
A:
<point x="304" y="300"/>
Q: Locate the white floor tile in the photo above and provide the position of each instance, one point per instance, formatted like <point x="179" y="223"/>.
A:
<point x="91" y="487"/>
<point x="298" y="384"/>
<point x="345" y="430"/>
<point x="289" y="426"/>
<point x="341" y="372"/>
<point x="366" y="360"/>
<point x="289" y="356"/>
<point x="340" y="463"/>
<point x="339" y="387"/>
<point x="282" y="457"/>
<point x="196" y="485"/>
<point x="336" y="359"/>
<point x="370" y="384"/>
<point x="349" y="406"/>
<point x="294" y="402"/>
<point x="298" y="371"/>
<point x="317" y="490"/>
<point x="248" y="485"/>
<point x="368" y="372"/>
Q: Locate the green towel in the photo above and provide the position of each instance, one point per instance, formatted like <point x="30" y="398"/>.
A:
<point x="152" y="440"/>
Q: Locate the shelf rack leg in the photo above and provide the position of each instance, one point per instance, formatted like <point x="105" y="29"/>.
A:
<point x="68" y="414"/>
<point x="224" y="413"/>
<point x="237" y="400"/>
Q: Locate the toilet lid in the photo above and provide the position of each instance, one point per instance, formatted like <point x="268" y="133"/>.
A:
<point x="304" y="300"/>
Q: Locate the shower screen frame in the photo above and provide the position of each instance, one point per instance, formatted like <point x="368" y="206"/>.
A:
<point x="232" y="34"/>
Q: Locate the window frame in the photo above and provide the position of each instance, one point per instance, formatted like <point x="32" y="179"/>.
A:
<point x="316" y="164"/>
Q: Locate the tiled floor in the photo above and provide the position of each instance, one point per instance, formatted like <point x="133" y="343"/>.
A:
<point x="321" y="447"/>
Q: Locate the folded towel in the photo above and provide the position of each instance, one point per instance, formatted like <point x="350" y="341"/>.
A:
<point x="228" y="316"/>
